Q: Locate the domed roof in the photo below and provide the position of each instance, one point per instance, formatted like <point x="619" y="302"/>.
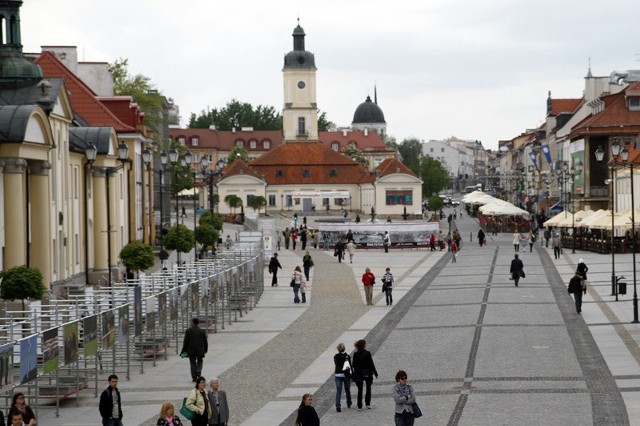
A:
<point x="299" y="57"/>
<point x="368" y="112"/>
<point x="15" y="68"/>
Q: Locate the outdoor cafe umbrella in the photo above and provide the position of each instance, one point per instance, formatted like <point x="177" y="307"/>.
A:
<point x="501" y="208"/>
<point x="575" y="219"/>
<point x="620" y="220"/>
<point x="557" y="219"/>
<point x="587" y="221"/>
<point x="472" y="196"/>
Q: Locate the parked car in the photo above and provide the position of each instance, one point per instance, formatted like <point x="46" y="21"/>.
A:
<point x="455" y="202"/>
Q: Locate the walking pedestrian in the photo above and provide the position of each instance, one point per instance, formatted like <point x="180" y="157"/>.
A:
<point x="228" y="242"/>
<point x="274" y="264"/>
<point x="294" y="237"/>
<point x="386" y="241"/>
<point x="363" y="372"/>
<point x="582" y="269"/>
<point x="296" y="281"/>
<point x="307" y="415"/>
<point x="279" y="240"/>
<point x="168" y="415"/>
<point x="349" y="236"/>
<point x="432" y="242"/>
<point x="110" y="404"/>
<point x="547" y="236"/>
<point x="219" y="405"/>
<point x="325" y="240"/>
<point x="351" y="250"/>
<point x="368" y="280"/>
<point x="516" y="269"/>
<point x="195" y="345"/>
<point x="578" y="288"/>
<point x="307" y="264"/>
<point x="339" y="250"/>
<point x="303" y="238"/>
<point x="198" y="402"/>
<point x="404" y="397"/>
<point x="303" y="291"/>
<point x="516" y="241"/>
<point x="481" y="237"/>
<point x="287" y="237"/>
<point x="316" y="239"/>
<point x="454" y="250"/>
<point x="532" y="240"/>
<point x="556" y="243"/>
<point x="342" y="362"/>
<point x="387" y="286"/>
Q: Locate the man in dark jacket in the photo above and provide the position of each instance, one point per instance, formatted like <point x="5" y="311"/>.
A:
<point x="110" y="404"/>
<point x="274" y="264"/>
<point x="195" y="345"/>
<point x="517" y="269"/>
<point x="481" y="237"/>
<point x="576" y="287"/>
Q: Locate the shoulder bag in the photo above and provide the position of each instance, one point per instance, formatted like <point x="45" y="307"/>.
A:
<point x="188" y="414"/>
<point x="417" y="412"/>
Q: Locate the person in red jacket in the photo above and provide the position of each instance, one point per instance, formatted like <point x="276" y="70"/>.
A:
<point x="368" y="280"/>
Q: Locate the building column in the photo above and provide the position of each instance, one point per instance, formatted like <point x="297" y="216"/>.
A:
<point x="40" y="218"/>
<point x="99" y="222"/>
<point x="14" y="213"/>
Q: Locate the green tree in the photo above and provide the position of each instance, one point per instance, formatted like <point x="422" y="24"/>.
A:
<point x="137" y="256"/>
<point x="352" y="152"/>
<point x="257" y="202"/>
<point x="206" y="219"/>
<point x="411" y="151"/>
<point x="434" y="175"/>
<point x="143" y="92"/>
<point x="22" y="282"/>
<point x="206" y="235"/>
<point x="435" y="203"/>
<point x="238" y="153"/>
<point x="236" y="114"/>
<point x="324" y="125"/>
<point x="233" y="201"/>
<point x="179" y="238"/>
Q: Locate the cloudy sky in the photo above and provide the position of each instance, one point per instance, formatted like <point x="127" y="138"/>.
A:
<point x="474" y="69"/>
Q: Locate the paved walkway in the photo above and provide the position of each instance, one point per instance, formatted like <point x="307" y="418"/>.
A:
<point x="477" y="349"/>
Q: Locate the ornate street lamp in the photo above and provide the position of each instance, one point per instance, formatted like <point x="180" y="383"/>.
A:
<point x="146" y="159"/>
<point x="624" y="155"/>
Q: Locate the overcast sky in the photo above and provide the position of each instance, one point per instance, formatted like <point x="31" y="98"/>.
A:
<point x="474" y="69"/>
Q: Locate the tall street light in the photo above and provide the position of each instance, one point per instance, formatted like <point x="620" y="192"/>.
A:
<point x="173" y="159"/>
<point x="564" y="176"/>
<point x="211" y="175"/>
<point x="574" y="172"/>
<point x="123" y="156"/>
<point x="164" y="158"/>
<point x="624" y="155"/>
<point x="615" y="153"/>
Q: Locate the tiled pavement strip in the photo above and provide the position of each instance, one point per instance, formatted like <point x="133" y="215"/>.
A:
<point x="477" y="349"/>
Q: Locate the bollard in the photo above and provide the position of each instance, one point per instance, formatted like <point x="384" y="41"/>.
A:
<point x="471" y="236"/>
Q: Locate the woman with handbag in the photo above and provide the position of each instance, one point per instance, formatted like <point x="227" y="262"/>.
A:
<point x="296" y="281"/>
<point x="406" y="409"/>
<point x="198" y="403"/>
<point x="168" y="415"/>
<point x="342" y="361"/>
<point x="363" y="371"/>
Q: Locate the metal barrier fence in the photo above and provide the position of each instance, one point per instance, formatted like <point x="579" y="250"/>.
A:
<point x="53" y="351"/>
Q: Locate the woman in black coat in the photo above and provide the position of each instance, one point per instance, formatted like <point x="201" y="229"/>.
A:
<point x="307" y="415"/>
<point x="363" y="371"/>
<point x="582" y="269"/>
<point x="517" y="269"/>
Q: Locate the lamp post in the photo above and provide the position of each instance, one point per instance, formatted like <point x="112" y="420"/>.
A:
<point x="146" y="159"/>
<point x="211" y="175"/>
<point x="564" y="176"/>
<point x="173" y="159"/>
<point x="123" y="156"/>
<point x="615" y="153"/>
<point x="624" y="155"/>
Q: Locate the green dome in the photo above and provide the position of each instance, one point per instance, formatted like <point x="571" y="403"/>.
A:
<point x="16" y="69"/>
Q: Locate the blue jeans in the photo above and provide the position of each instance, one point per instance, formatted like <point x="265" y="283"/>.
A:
<point x="347" y="390"/>
<point x="388" y="296"/>
<point x="296" y="289"/>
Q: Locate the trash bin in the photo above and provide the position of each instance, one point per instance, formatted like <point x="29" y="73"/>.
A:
<point x="622" y="288"/>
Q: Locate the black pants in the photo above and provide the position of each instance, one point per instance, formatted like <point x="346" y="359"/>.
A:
<point x="367" y="395"/>
<point x="274" y="279"/>
<point x="196" y="366"/>
<point x="578" y="298"/>
<point x="556" y="252"/>
<point x="386" y="248"/>
<point x="286" y="243"/>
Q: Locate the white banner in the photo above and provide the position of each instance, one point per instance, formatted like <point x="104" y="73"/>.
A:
<point x="320" y="194"/>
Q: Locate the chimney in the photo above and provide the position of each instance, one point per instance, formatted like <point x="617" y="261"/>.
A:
<point x="212" y="127"/>
<point x="233" y="130"/>
<point x="366" y="132"/>
<point x="344" y="132"/>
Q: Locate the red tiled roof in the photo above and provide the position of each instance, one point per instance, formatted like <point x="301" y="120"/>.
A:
<point x="83" y="99"/>
<point x="125" y="109"/>
<point x="564" y="105"/>
<point x="224" y="140"/>
<point x="305" y="163"/>
<point x="615" y="119"/>
<point x="393" y="165"/>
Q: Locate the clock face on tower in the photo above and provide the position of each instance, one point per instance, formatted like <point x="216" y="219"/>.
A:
<point x="301" y="85"/>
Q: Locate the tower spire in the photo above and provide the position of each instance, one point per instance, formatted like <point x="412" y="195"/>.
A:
<point x="375" y="93"/>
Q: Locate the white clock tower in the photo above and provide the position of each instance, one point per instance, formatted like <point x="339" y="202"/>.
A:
<point x="300" y="112"/>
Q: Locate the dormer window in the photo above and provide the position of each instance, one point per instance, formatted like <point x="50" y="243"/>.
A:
<point x="253" y="144"/>
<point x="335" y="146"/>
<point x="195" y="141"/>
<point x="266" y="144"/>
<point x="634" y="104"/>
<point x="279" y="173"/>
<point x="182" y="141"/>
<point x="333" y="173"/>
<point x="306" y="173"/>
<point x="240" y="143"/>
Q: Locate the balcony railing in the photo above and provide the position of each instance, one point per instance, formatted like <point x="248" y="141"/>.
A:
<point x="599" y="191"/>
